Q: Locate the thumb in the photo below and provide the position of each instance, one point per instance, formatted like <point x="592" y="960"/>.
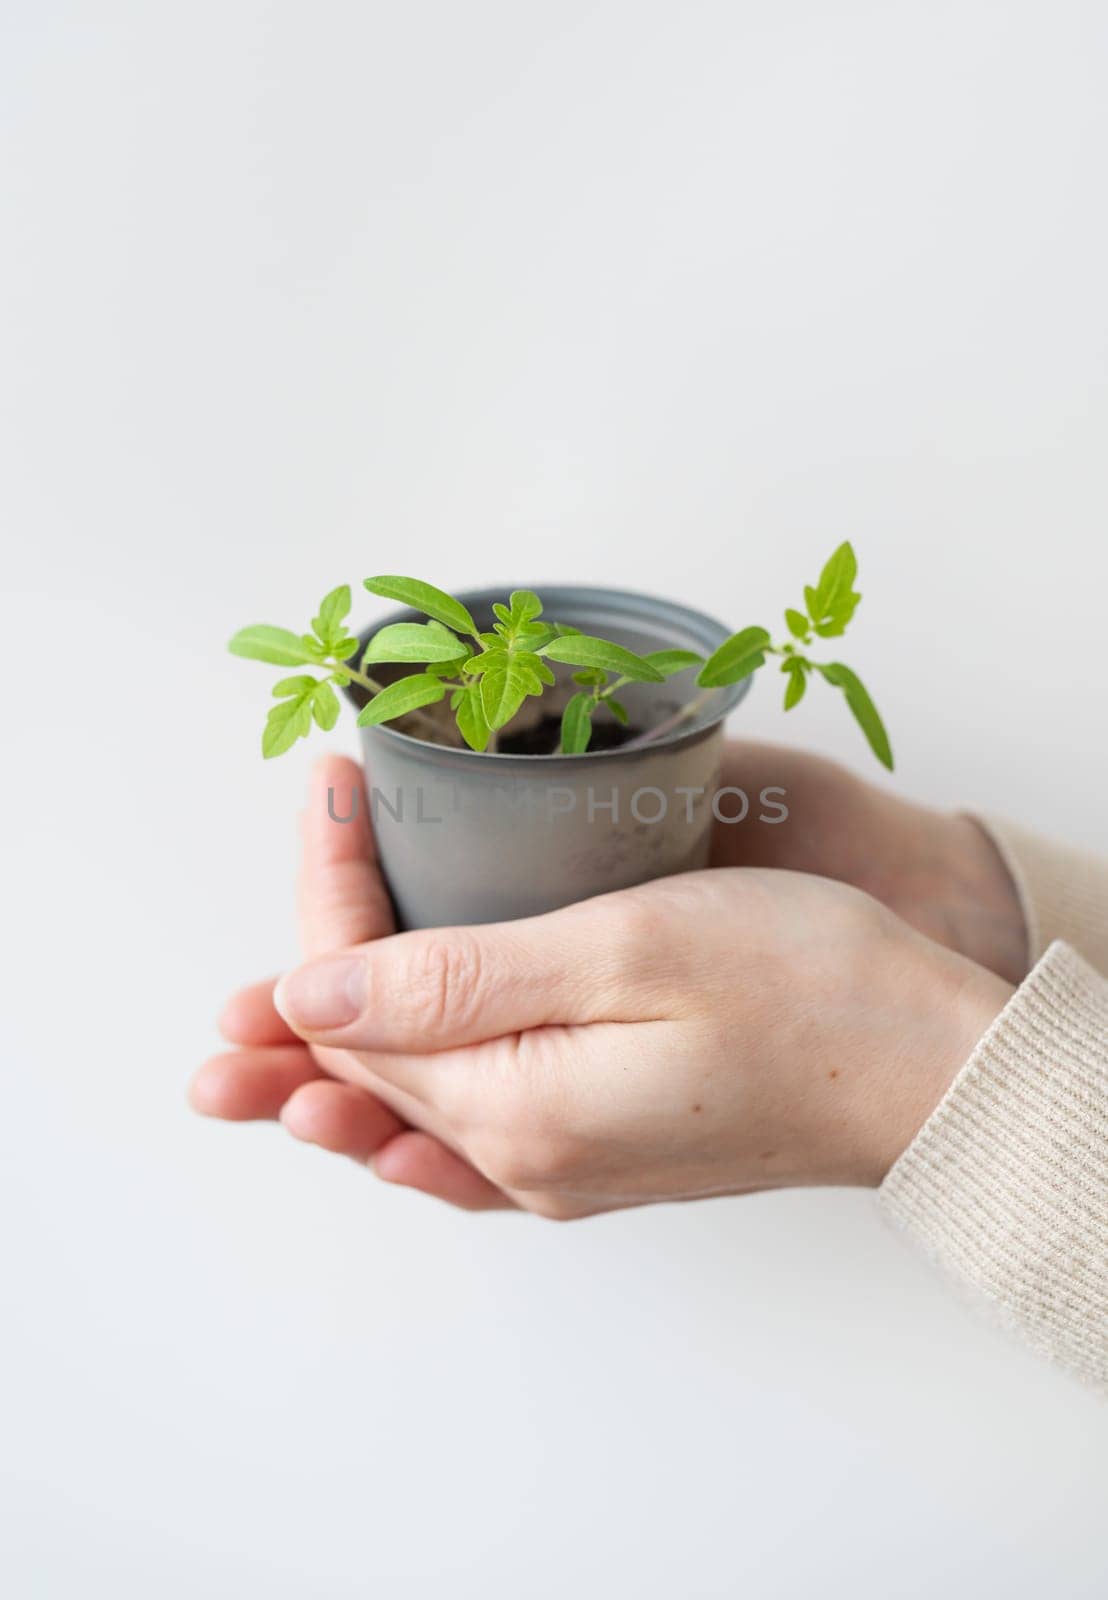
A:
<point x="441" y="988"/>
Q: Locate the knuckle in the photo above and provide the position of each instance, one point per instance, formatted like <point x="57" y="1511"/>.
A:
<point x="439" y="985"/>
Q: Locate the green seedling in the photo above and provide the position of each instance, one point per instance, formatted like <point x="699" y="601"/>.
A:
<point x="484" y="678"/>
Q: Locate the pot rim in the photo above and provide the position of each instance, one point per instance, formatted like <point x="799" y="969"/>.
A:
<point x="637" y="605"/>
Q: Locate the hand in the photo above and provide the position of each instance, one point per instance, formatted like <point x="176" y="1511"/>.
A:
<point x="341" y="893"/>
<point x="939" y="872"/>
<point x="273" y="1074"/>
<point x="709" y="1034"/>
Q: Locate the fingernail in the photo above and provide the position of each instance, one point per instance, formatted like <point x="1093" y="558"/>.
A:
<point x="324" y="994"/>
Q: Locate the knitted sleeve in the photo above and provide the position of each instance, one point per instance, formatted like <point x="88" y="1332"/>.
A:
<point x="1006" y="1184"/>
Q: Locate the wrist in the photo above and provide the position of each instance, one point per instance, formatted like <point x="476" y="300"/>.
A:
<point x="950" y="1004"/>
<point x="986" y="915"/>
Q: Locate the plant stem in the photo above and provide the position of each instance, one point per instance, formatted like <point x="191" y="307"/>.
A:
<point x="667" y="726"/>
<point x="375" y="688"/>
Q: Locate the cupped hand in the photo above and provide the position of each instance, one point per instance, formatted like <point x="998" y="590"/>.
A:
<point x="272" y="1074"/>
<point x="707" y="1034"/>
<point x="937" y="870"/>
<point x="939" y="873"/>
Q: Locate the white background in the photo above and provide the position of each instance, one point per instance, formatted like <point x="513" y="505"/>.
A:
<point x="674" y="295"/>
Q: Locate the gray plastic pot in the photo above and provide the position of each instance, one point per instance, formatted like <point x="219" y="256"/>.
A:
<point x="467" y="838"/>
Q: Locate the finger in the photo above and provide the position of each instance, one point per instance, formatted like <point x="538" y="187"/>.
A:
<point x="445" y="987"/>
<point x="343" y="899"/>
<point x="250" y="1017"/>
<point x="340" y="1118"/>
<point x="251" y="1085"/>
<point x="418" y="1161"/>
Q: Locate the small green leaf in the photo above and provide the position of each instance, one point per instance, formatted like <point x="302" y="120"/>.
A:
<point x="669" y="662"/>
<point x="577" y="724"/>
<point x="840" y="618"/>
<point x="472" y="723"/>
<point x="838" y="575"/>
<point x="832" y="603"/>
<point x="325" y="706"/>
<point x="407" y="694"/>
<point x="617" y="708"/>
<point x="413" y="641"/>
<point x="525" y="606"/>
<point x="591" y="677"/>
<point x="865" y="712"/>
<point x="448" y="669"/>
<point x="276" y="645"/>
<point x="502" y="612"/>
<point x="799" y="625"/>
<point x="345" y="647"/>
<point x="426" y="598"/>
<point x="736" y="658"/>
<point x="287" y="722"/>
<point x="505" y="684"/>
<point x="537" y="666"/>
<point x="580" y="650"/>
<point x="299" y="686"/>
<point x="797" y="670"/>
<point x="332" y="609"/>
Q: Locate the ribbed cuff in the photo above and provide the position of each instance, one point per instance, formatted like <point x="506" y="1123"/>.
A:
<point x="1006" y="1184"/>
<point x="1063" y="892"/>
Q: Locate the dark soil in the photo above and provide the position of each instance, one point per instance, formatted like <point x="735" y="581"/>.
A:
<point x="542" y="739"/>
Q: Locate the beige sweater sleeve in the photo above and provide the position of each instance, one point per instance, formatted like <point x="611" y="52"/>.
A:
<point x="1006" y="1184"/>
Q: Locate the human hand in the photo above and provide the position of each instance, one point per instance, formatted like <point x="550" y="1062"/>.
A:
<point x="714" y="1033"/>
<point x="274" y="1075"/>
<point x="938" y="871"/>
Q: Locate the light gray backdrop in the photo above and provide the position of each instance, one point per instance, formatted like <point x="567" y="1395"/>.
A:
<point x="678" y="295"/>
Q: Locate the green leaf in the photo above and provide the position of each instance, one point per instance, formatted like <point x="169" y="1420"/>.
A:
<point x="287" y="722"/>
<point x="526" y="605"/>
<point x="580" y="650"/>
<point x="799" y="625"/>
<point x="276" y="645"/>
<point x="300" y="685"/>
<point x="838" y="575"/>
<point x="414" y="641"/>
<point x="536" y="665"/>
<point x="472" y="723"/>
<point x="501" y="611"/>
<point x="505" y="684"/>
<point x="345" y="647"/>
<point x="426" y="598"/>
<point x="407" y="694"/>
<point x="617" y="708"/>
<point x="798" y="682"/>
<point x="669" y="662"/>
<point x="591" y="677"/>
<point x="736" y="658"/>
<point x="865" y="712"/>
<point x="332" y="609"/>
<point x="845" y="609"/>
<point x="832" y="603"/>
<point x="533" y="635"/>
<point x="577" y="724"/>
<point x="448" y="669"/>
<point x="325" y="706"/>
